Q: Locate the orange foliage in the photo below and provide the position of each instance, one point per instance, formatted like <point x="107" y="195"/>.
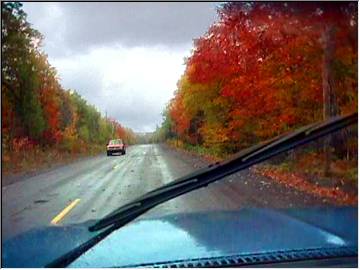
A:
<point x="296" y="181"/>
<point x="265" y="61"/>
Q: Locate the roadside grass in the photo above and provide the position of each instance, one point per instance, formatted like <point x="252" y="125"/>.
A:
<point x="303" y="171"/>
<point x="208" y="153"/>
<point x="334" y="193"/>
<point x="309" y="162"/>
<point x="312" y="165"/>
<point x="37" y="158"/>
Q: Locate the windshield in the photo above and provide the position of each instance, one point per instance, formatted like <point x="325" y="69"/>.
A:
<point x="186" y="86"/>
<point x="112" y="142"/>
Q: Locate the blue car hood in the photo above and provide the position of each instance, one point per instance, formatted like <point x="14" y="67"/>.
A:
<point x="190" y="236"/>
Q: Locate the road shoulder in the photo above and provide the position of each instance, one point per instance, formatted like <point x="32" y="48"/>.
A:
<point x="23" y="176"/>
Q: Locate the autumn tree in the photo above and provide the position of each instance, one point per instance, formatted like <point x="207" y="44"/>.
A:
<point x="265" y="68"/>
<point x="35" y="107"/>
<point x="23" y="113"/>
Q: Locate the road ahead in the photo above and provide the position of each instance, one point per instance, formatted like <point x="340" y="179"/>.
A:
<point x="91" y="188"/>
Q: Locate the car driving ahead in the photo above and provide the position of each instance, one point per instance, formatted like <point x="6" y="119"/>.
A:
<point x="115" y="146"/>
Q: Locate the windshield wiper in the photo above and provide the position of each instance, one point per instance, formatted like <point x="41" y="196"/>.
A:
<point x="214" y="172"/>
<point x="203" y="177"/>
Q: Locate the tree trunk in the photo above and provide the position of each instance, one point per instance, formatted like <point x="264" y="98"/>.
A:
<point x="329" y="97"/>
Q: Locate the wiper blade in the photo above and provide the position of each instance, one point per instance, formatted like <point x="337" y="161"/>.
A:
<point x="214" y="172"/>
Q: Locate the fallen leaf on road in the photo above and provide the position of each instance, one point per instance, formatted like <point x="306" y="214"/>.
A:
<point x="301" y="184"/>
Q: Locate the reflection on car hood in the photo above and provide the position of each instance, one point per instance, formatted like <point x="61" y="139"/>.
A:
<point x="190" y="236"/>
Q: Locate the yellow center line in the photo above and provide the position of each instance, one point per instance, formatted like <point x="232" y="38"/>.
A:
<point x="64" y="212"/>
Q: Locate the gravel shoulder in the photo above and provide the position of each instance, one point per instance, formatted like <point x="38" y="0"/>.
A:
<point x="247" y="188"/>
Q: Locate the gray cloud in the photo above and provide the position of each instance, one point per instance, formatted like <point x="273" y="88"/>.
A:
<point x="124" y="58"/>
<point x="83" y="25"/>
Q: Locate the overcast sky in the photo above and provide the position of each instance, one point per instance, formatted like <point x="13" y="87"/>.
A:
<point x="124" y="58"/>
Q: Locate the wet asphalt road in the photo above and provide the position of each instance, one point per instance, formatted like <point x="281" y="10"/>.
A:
<point x="91" y="188"/>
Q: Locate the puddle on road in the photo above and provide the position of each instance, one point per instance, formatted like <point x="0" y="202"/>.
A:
<point x="41" y="201"/>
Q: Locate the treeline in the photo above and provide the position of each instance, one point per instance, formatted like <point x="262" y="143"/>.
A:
<point x="36" y="110"/>
<point x="264" y="69"/>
